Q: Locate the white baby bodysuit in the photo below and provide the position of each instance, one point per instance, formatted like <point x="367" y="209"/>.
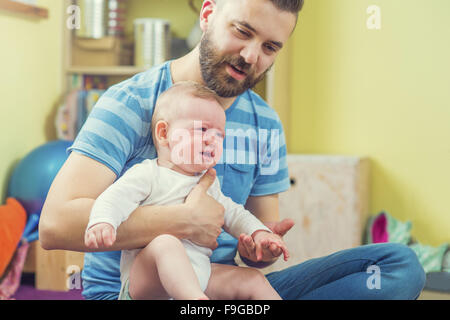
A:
<point x="147" y="183"/>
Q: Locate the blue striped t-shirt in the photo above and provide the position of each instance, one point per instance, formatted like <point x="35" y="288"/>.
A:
<point x="117" y="133"/>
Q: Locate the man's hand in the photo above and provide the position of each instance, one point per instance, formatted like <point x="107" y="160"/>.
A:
<point x="269" y="252"/>
<point x="206" y="214"/>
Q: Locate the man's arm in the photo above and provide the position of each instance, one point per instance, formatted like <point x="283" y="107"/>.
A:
<point x="265" y="208"/>
<point x="81" y="180"/>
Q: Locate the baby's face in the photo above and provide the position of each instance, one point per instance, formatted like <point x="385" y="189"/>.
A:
<point x="196" y="135"/>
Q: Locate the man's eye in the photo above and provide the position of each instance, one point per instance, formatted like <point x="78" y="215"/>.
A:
<point x="270" y="48"/>
<point x="242" y="32"/>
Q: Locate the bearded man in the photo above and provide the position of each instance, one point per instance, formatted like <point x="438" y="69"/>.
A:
<point x="240" y="41"/>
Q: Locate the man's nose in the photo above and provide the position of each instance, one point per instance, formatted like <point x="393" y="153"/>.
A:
<point x="250" y="53"/>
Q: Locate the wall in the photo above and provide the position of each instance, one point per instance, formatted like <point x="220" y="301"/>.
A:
<point x="30" y="83"/>
<point x="178" y="12"/>
<point x="382" y="94"/>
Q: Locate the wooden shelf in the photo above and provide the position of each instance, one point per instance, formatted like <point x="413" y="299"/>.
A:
<point x="107" y="71"/>
<point x="24" y="8"/>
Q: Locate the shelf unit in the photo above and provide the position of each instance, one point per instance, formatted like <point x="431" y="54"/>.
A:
<point x="275" y="89"/>
<point x="23" y="8"/>
<point x="106" y="71"/>
<point x="114" y="73"/>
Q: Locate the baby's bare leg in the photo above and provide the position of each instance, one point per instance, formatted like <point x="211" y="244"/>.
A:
<point x="239" y="283"/>
<point x="162" y="270"/>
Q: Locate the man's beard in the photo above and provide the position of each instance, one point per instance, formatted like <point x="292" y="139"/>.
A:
<point x="212" y="66"/>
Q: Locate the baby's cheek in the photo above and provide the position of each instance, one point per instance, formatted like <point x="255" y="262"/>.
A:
<point x="218" y="151"/>
<point x="182" y="153"/>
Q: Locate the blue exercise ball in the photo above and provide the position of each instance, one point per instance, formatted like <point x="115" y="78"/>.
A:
<point x="32" y="177"/>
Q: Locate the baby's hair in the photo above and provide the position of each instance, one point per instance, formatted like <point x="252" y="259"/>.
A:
<point x="168" y="97"/>
<point x="193" y="88"/>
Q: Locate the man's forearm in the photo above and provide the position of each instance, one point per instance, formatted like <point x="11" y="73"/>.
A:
<point x="62" y="227"/>
<point x="148" y="222"/>
<point x="65" y="229"/>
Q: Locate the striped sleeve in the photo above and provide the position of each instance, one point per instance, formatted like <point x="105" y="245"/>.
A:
<point x="113" y="129"/>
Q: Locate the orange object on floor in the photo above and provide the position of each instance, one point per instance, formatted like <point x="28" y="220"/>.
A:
<point x="13" y="218"/>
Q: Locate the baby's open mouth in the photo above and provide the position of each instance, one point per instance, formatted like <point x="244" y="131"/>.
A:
<point x="209" y="154"/>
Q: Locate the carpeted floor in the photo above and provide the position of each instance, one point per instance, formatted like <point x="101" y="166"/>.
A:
<point x="27" y="291"/>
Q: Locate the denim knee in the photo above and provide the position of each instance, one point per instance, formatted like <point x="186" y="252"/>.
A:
<point x="410" y="276"/>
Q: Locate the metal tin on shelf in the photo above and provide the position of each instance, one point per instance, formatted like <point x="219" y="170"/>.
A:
<point x="152" y="41"/>
<point x="93" y="19"/>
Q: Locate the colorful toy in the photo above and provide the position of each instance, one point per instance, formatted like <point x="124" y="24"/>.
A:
<point x="383" y="227"/>
<point x="12" y="223"/>
<point x="31" y="180"/>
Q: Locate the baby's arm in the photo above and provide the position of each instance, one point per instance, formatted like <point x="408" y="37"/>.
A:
<point x="116" y="204"/>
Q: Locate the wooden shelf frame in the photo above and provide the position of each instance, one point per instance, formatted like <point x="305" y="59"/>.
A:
<point x="23" y="8"/>
<point x="107" y="71"/>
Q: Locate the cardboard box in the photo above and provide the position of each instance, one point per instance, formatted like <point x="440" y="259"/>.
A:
<point x="107" y="51"/>
<point x="329" y="202"/>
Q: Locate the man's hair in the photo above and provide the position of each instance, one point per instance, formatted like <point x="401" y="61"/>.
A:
<point x="293" y="6"/>
<point x="165" y="102"/>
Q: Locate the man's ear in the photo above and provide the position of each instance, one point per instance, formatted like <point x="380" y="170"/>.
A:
<point x="161" y="132"/>
<point x="208" y="7"/>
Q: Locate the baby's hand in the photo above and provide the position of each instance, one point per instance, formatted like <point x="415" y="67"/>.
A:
<point x="265" y="240"/>
<point x="100" y="235"/>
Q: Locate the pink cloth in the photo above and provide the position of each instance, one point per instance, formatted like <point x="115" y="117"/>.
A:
<point x="11" y="281"/>
<point x="379" y="230"/>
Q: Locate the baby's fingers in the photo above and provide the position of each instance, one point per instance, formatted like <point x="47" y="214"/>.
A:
<point x="258" y="252"/>
<point x="270" y="249"/>
<point x="285" y="250"/>
<point x="99" y="237"/>
<point x="274" y="249"/>
<point x="277" y="248"/>
<point x="108" y="236"/>
<point x="247" y="245"/>
<point x="90" y="240"/>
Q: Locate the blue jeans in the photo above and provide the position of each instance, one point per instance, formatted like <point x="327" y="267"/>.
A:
<point x="375" y="271"/>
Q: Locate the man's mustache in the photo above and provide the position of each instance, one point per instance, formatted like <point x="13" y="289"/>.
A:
<point x="238" y="62"/>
